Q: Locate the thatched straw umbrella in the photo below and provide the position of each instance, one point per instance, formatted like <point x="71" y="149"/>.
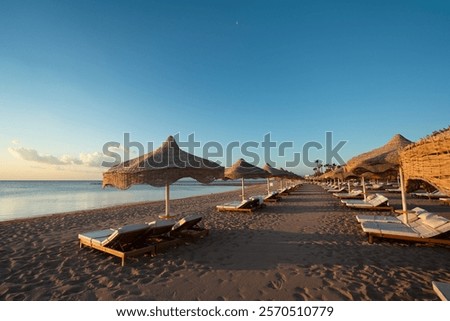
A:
<point x="273" y="172"/>
<point x="242" y="169"/>
<point x="428" y="160"/>
<point x="162" y="167"/>
<point x="383" y="161"/>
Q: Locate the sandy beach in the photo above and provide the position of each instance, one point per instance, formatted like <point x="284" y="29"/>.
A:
<point x="306" y="247"/>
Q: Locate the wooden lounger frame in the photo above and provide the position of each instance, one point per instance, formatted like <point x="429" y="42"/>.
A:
<point x="432" y="240"/>
<point x="148" y="248"/>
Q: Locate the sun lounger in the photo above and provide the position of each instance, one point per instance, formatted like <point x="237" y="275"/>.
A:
<point x="375" y="202"/>
<point x="272" y="197"/>
<point x="126" y="241"/>
<point x="355" y="194"/>
<point x="442" y="290"/>
<point x="412" y="216"/>
<point x="337" y="190"/>
<point x="185" y="230"/>
<point x="375" y="186"/>
<point x="445" y="200"/>
<point x="248" y="205"/>
<point x="188" y="227"/>
<point x="394" y="190"/>
<point x="433" y="195"/>
<point x="428" y="228"/>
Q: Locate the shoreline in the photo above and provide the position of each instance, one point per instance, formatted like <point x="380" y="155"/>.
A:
<point x="305" y="247"/>
<point x="235" y="186"/>
<point x="111" y="207"/>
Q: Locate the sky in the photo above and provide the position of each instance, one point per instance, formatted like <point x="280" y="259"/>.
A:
<point x="78" y="75"/>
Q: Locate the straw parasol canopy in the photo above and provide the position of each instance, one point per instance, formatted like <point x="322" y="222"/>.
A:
<point x="384" y="160"/>
<point x="242" y="170"/>
<point x="289" y="174"/>
<point x="338" y="172"/>
<point x="275" y="173"/>
<point x="428" y="160"/>
<point x="162" y="167"/>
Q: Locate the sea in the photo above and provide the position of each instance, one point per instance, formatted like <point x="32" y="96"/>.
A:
<point x="24" y="199"/>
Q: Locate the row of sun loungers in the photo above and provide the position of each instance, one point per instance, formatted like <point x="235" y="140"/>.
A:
<point x="354" y="194"/>
<point x="418" y="225"/>
<point x="337" y="190"/>
<point x="289" y="189"/>
<point x="255" y="202"/>
<point x="272" y="197"/>
<point x="249" y="205"/>
<point x="138" y="239"/>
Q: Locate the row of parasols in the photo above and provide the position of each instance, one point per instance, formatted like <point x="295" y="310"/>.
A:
<point x="169" y="163"/>
<point x="427" y="160"/>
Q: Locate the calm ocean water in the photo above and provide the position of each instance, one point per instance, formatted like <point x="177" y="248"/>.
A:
<point x="20" y="199"/>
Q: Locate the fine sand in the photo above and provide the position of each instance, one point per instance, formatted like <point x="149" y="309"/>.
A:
<point x="306" y="247"/>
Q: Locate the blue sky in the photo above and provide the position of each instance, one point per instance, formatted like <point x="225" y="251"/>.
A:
<point x="77" y="74"/>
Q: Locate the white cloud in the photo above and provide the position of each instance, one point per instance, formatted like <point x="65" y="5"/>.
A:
<point x="33" y="155"/>
<point x="94" y="159"/>
<point x="15" y="142"/>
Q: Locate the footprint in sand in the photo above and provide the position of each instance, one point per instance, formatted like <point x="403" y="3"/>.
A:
<point x="277" y="284"/>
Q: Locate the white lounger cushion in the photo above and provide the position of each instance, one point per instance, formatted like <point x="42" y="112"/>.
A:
<point x="96" y="237"/>
<point x="435" y="221"/>
<point x="388" y="228"/>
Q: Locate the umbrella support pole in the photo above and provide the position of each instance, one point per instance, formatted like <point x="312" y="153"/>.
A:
<point x="167" y="215"/>
<point x="364" y="188"/>
<point x="403" y="190"/>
